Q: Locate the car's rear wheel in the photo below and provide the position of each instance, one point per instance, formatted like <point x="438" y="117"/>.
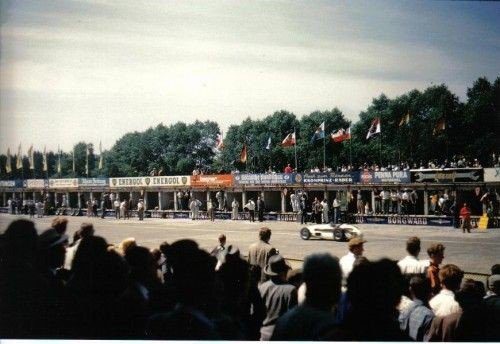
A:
<point x="305" y="234"/>
<point x="338" y="235"/>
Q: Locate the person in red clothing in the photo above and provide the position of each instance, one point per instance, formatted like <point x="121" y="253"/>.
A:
<point x="436" y="256"/>
<point x="288" y="169"/>
<point x="465" y="215"/>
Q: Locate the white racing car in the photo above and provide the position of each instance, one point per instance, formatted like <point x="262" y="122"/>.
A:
<point x="330" y="231"/>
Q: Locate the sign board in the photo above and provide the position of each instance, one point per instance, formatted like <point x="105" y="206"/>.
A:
<point x="149" y="182"/>
<point x="264" y="179"/>
<point x="406" y="220"/>
<point x="327" y="178"/>
<point x="212" y="180"/>
<point x="447" y="175"/>
<point x="36" y="183"/>
<point x="384" y="177"/>
<point x="93" y="182"/>
<point x="63" y="183"/>
<point x="10" y="183"/>
<point x="492" y="174"/>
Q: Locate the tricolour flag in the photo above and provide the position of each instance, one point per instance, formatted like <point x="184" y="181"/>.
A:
<point x="87" y="161"/>
<point x="243" y="154"/>
<point x="19" y="162"/>
<point x="268" y="146"/>
<point x="8" y="164"/>
<point x="341" y="135"/>
<point x="440" y="126"/>
<point x="31" y="158"/>
<point x="289" y="140"/>
<point x="219" y="142"/>
<point x="319" y="133"/>
<point x="101" y="157"/>
<point x="44" y="159"/>
<point x="405" y="119"/>
<point x="374" y="128"/>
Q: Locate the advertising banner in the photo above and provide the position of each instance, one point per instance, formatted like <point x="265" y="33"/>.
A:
<point x="63" y="183"/>
<point x="447" y="175"/>
<point x="406" y="220"/>
<point x="149" y="182"/>
<point x="11" y="183"/>
<point x="395" y="177"/>
<point x="93" y="182"/>
<point x="264" y="179"/>
<point x="492" y="174"/>
<point x="327" y="178"/>
<point x="36" y="183"/>
<point x="212" y="180"/>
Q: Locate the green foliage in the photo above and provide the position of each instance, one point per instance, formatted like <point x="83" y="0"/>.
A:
<point x="472" y="130"/>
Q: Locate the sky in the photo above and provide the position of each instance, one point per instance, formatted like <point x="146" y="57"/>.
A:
<point x="94" y="70"/>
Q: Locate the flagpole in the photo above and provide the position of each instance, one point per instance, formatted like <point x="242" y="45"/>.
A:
<point x="324" y="152"/>
<point x="380" y="149"/>
<point x="350" y="152"/>
<point x="295" y="147"/>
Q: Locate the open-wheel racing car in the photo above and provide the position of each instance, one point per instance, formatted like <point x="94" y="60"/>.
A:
<point x="330" y="231"/>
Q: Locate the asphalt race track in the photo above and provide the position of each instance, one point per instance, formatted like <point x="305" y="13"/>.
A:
<point x="475" y="252"/>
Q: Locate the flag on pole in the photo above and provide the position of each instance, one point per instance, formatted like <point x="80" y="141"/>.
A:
<point x="59" y="160"/>
<point x="341" y="135"/>
<point x="74" y="163"/>
<point x="45" y="158"/>
<point x="405" y="119"/>
<point x="219" y="142"/>
<point x="374" y="128"/>
<point x="289" y="140"/>
<point x="268" y="146"/>
<point x="101" y="158"/>
<point x="19" y="160"/>
<point x="31" y="158"/>
<point x="243" y="154"/>
<point x="319" y="133"/>
<point x="8" y="164"/>
<point x="87" y="161"/>
<point x="440" y="126"/>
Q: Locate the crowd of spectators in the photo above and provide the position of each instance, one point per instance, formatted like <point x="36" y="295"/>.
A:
<point x="91" y="289"/>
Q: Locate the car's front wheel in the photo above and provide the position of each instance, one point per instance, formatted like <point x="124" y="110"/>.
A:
<point x="338" y="235"/>
<point x="305" y="234"/>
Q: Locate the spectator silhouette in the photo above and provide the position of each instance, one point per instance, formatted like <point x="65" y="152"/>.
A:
<point x="374" y="290"/>
<point x="491" y="307"/>
<point x="98" y="277"/>
<point x="23" y="291"/>
<point x="60" y="224"/>
<point x="322" y="277"/>
<point x="192" y="289"/>
<point x="143" y="292"/>
<point x="240" y="299"/>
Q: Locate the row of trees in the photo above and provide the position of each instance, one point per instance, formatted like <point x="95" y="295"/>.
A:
<point x="472" y="130"/>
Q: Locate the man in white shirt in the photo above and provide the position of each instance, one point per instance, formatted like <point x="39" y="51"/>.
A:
<point x="356" y="249"/>
<point x="116" y="206"/>
<point x="411" y="265"/>
<point x="326" y="210"/>
<point x="336" y="210"/>
<point x="251" y="209"/>
<point x="444" y="303"/>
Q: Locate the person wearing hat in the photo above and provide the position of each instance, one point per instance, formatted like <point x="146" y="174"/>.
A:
<point x="356" y="249"/>
<point x="51" y="254"/>
<point x="278" y="295"/>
